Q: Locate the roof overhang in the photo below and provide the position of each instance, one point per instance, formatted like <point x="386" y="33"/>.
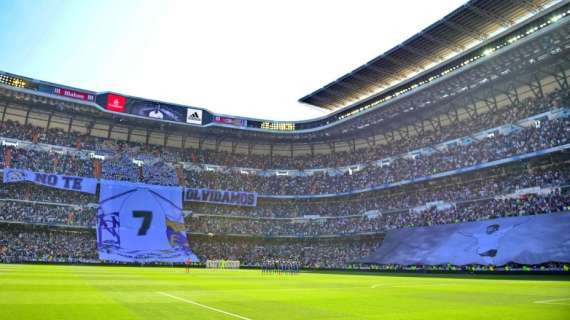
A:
<point x="469" y="25"/>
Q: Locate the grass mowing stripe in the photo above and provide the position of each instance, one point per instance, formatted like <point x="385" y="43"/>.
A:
<point x="5" y="270"/>
<point x="203" y="306"/>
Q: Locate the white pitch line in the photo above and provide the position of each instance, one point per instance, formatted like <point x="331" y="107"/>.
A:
<point x="408" y="285"/>
<point x="203" y="305"/>
<point x="387" y="285"/>
<point x="554" y="301"/>
<point x="424" y="285"/>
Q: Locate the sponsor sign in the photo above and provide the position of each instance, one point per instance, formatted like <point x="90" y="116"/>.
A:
<point x="231" y="121"/>
<point x="151" y="109"/>
<point x="116" y="102"/>
<point x="193" y="116"/>
<point x="68" y="93"/>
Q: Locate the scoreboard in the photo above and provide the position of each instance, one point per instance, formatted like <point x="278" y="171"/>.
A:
<point x="17" y="81"/>
<point x="151" y="109"/>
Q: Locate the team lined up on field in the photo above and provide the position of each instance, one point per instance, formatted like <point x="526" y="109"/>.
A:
<point x="280" y="266"/>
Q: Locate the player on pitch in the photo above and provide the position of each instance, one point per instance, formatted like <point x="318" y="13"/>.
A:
<point x="187" y="264"/>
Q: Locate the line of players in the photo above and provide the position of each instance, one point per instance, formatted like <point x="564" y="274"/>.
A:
<point x="277" y="266"/>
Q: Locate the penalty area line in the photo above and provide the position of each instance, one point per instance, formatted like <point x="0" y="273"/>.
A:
<point x="202" y="305"/>
<point x="554" y="301"/>
<point x="409" y="285"/>
<point x="424" y="285"/>
<point x="379" y="285"/>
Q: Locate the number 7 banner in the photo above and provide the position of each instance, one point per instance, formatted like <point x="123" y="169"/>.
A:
<point x="141" y="223"/>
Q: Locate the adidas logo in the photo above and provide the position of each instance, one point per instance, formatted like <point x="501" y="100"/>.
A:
<point x="194" y="116"/>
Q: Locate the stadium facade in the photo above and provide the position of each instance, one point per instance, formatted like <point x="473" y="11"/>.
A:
<point x="466" y="121"/>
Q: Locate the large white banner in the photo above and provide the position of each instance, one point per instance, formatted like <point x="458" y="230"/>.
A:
<point x="523" y="240"/>
<point x="143" y="223"/>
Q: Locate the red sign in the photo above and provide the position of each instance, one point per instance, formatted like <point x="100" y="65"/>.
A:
<point x="116" y="102"/>
<point x="231" y="121"/>
<point x="73" y="94"/>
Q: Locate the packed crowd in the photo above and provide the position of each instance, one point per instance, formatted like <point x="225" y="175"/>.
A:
<point x="120" y="166"/>
<point x="42" y="245"/>
<point x="160" y="172"/>
<point x="31" y="192"/>
<point x="484" y="209"/>
<point x="472" y="210"/>
<point x="310" y="254"/>
<point x="121" y="169"/>
<point x="52" y="162"/>
<point x="488" y="184"/>
<point x="27" y="245"/>
<point x="15" y="211"/>
<point x="550" y="134"/>
<point x="30" y="203"/>
<point x="154" y="171"/>
<point x="465" y="127"/>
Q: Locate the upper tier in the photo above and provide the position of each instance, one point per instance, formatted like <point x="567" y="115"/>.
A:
<point x="538" y="42"/>
<point x="541" y="134"/>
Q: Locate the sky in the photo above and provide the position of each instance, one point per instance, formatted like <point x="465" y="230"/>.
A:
<point x="246" y="58"/>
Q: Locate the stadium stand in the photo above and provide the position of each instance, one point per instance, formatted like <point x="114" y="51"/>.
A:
<point x="473" y="141"/>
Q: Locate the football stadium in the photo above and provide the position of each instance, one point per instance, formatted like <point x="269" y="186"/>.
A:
<point x="435" y="186"/>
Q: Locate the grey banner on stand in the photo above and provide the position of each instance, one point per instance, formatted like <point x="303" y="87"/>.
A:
<point x="523" y="240"/>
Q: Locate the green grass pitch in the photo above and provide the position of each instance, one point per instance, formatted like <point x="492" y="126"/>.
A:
<point x="110" y="293"/>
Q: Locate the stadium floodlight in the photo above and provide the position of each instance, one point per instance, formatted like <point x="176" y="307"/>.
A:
<point x="488" y="51"/>
<point x="556" y="18"/>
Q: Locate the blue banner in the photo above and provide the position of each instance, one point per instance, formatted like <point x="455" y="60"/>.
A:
<point x="141" y="223"/>
<point x="237" y="198"/>
<point x="59" y="181"/>
<point x="524" y="240"/>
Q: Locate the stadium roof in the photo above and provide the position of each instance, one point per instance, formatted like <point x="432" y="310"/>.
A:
<point x="467" y="26"/>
